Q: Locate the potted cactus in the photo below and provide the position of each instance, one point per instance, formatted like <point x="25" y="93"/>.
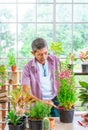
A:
<point x="46" y="123"/>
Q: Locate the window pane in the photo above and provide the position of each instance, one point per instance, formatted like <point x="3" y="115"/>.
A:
<point x="81" y="1"/>
<point x="80" y="37"/>
<point x="28" y="1"/>
<point x="45" y="12"/>
<point x="45" y="1"/>
<point x="26" y="35"/>
<point x="4" y="62"/>
<point x="7" y="1"/>
<point x="81" y="13"/>
<point x="63" y="13"/>
<point x="64" y="35"/>
<point x="7" y="12"/>
<point x="7" y="38"/>
<point x="65" y="1"/>
<point x="26" y="12"/>
<point x="45" y="31"/>
<point x="22" y="63"/>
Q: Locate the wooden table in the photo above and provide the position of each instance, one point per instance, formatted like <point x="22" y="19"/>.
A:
<point x="66" y="126"/>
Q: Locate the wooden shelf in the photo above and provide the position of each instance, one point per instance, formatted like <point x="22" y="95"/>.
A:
<point x="3" y="109"/>
<point x="4" y="104"/>
<point x="2" y="122"/>
<point x="81" y="73"/>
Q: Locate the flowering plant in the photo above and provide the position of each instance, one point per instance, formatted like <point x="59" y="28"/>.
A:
<point x="67" y="91"/>
<point x="83" y="56"/>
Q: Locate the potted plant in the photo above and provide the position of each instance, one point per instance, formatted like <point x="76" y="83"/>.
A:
<point x="83" y="56"/>
<point x="14" y="97"/>
<point x="83" y="96"/>
<point x="12" y="60"/>
<point x="71" y="58"/>
<point x="22" y="102"/>
<point x="14" y="121"/>
<point x="66" y="95"/>
<point x="36" y="114"/>
<point x="3" y="77"/>
<point x="19" y="101"/>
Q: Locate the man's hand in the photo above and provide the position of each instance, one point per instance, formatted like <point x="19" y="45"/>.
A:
<point x="49" y="102"/>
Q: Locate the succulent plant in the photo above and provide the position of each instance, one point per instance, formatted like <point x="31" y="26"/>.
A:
<point x="46" y="124"/>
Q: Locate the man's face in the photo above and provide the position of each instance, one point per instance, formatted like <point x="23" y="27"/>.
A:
<point x="41" y="55"/>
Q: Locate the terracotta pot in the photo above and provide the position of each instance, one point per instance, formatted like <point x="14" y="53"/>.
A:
<point x="13" y="68"/>
<point x="52" y="122"/>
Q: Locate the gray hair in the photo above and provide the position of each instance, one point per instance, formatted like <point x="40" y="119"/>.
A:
<point x="38" y="43"/>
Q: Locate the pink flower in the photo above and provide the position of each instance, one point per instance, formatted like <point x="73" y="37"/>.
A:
<point x="65" y="74"/>
<point x="83" y="56"/>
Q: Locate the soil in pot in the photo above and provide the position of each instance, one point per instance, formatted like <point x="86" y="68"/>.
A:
<point x="66" y="116"/>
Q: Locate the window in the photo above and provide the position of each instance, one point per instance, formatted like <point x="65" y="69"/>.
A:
<point x="21" y="21"/>
<point x="55" y="20"/>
